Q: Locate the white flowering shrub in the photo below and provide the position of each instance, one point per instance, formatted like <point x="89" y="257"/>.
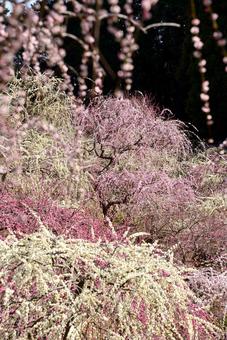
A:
<point x="210" y="284"/>
<point x="56" y="288"/>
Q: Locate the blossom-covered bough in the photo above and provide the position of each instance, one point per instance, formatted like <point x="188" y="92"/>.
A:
<point x="202" y="62"/>
<point x="40" y="32"/>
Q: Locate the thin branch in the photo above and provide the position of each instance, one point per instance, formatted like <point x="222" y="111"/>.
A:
<point x="106" y="206"/>
<point x="162" y="24"/>
<point x="107" y="66"/>
<point x="73" y="37"/>
<point x="103" y="156"/>
<point x="67" y="329"/>
<point x="130" y="146"/>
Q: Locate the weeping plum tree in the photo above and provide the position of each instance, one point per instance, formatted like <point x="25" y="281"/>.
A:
<point x="144" y="174"/>
<point x="134" y="147"/>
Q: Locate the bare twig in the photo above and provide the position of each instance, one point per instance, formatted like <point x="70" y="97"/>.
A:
<point x="161" y="24"/>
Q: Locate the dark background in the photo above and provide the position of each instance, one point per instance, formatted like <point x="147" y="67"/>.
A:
<point x="166" y="67"/>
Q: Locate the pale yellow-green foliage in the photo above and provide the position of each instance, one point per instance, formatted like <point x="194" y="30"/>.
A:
<point x="212" y="204"/>
<point x="41" y="154"/>
<point x="47" y="149"/>
<point x="43" y="98"/>
<point x="84" y="290"/>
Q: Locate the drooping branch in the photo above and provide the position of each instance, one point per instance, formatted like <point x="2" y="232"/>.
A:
<point x="161" y="24"/>
<point x="75" y="38"/>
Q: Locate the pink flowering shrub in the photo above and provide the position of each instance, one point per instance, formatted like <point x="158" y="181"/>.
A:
<point x="145" y="175"/>
<point x="52" y="287"/>
<point x="22" y="216"/>
<point x="210" y="285"/>
<point x="136" y="155"/>
<point x="201" y="230"/>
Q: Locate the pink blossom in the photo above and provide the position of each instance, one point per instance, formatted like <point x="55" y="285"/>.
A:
<point x="204" y="97"/>
<point x="217" y="35"/>
<point x="101" y="263"/>
<point x="202" y="63"/>
<point x="214" y="16"/>
<point x="222" y="42"/>
<point x="205" y="109"/>
<point x="198" y="45"/>
<point x="146" y="6"/>
<point x="207" y="2"/>
<point x="195" y="22"/>
<point x="197" y="54"/>
<point x="194" y="30"/>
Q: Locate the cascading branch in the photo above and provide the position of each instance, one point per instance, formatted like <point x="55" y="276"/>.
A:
<point x="37" y="34"/>
<point x="202" y="63"/>
<point x="51" y="287"/>
<point x="41" y="30"/>
<point x="121" y="24"/>
<point x="205" y="84"/>
<point x="217" y="34"/>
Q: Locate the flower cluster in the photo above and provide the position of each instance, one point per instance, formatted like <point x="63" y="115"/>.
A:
<point x="217" y="34"/>
<point x="12" y="37"/>
<point x="211" y="285"/>
<point x="128" y="47"/>
<point x="204" y="95"/>
<point x="121" y="25"/>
